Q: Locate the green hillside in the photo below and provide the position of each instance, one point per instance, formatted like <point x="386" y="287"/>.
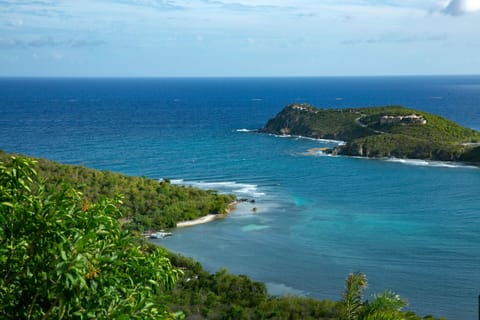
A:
<point x="147" y="203"/>
<point x="389" y="131"/>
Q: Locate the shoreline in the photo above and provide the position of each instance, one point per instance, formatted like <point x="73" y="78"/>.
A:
<point x="208" y="218"/>
<point x="201" y="220"/>
<point x="406" y="161"/>
<point x="315" y="151"/>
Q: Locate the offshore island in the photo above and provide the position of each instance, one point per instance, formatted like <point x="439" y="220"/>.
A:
<point x="380" y="132"/>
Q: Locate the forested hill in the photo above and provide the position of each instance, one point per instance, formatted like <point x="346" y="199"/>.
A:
<point x="389" y="131"/>
<point x="147" y="203"/>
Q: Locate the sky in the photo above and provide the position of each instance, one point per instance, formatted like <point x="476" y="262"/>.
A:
<point x="238" y="38"/>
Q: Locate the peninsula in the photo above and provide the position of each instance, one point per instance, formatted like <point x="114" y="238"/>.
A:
<point x="380" y="132"/>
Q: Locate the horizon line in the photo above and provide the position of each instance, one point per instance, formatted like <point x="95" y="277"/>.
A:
<point x="234" y="77"/>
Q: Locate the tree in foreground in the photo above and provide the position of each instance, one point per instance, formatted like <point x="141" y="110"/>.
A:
<point x="64" y="258"/>
<point x="385" y="306"/>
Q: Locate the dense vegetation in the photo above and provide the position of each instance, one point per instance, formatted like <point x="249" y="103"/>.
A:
<point x="147" y="203"/>
<point x="367" y="135"/>
<point x="201" y="295"/>
<point x="65" y="257"/>
<point x="305" y="120"/>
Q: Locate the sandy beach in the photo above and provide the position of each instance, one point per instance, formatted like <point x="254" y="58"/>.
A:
<point x="207" y="218"/>
<point x="202" y="220"/>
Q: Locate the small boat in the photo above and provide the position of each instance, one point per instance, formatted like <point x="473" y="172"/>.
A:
<point x="160" y="235"/>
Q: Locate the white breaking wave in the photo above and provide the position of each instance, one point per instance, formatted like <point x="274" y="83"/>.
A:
<point x="330" y="141"/>
<point x="254" y="227"/>
<point x="245" y="130"/>
<point x="429" y="163"/>
<point x="241" y="189"/>
<point x="410" y="162"/>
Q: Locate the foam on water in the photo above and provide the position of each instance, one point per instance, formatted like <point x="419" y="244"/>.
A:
<point x="246" y="130"/>
<point x="296" y="137"/>
<point x="240" y="189"/>
<point x="409" y="162"/>
<point x="430" y="163"/>
<point x="327" y="141"/>
<point x="254" y="227"/>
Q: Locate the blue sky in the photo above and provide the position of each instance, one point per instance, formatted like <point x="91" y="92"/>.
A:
<point x="176" y="38"/>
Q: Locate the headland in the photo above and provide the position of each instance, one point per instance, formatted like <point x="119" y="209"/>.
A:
<point x="380" y="132"/>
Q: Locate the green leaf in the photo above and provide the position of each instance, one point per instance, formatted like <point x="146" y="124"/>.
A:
<point x="7" y="204"/>
<point x="63" y="255"/>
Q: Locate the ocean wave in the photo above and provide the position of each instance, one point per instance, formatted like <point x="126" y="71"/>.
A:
<point x="241" y="189"/>
<point x="317" y="152"/>
<point x="410" y="162"/>
<point x="329" y="141"/>
<point x="246" y="130"/>
<point x="254" y="227"/>
<point x="290" y="136"/>
<point x="430" y="163"/>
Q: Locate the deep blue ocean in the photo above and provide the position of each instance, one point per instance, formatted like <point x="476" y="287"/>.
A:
<point x="412" y="227"/>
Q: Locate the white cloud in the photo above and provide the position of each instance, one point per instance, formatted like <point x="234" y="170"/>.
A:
<point x="459" y="7"/>
<point x="236" y="36"/>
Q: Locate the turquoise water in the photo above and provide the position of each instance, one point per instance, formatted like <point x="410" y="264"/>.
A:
<point x="410" y="226"/>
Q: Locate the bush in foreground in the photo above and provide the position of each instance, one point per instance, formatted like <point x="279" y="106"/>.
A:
<point x="63" y="258"/>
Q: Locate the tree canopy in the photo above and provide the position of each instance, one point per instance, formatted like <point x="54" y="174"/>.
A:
<point x="146" y="203"/>
<point x="62" y="257"/>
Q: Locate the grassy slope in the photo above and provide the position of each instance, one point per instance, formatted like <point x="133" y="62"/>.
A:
<point x="439" y="139"/>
